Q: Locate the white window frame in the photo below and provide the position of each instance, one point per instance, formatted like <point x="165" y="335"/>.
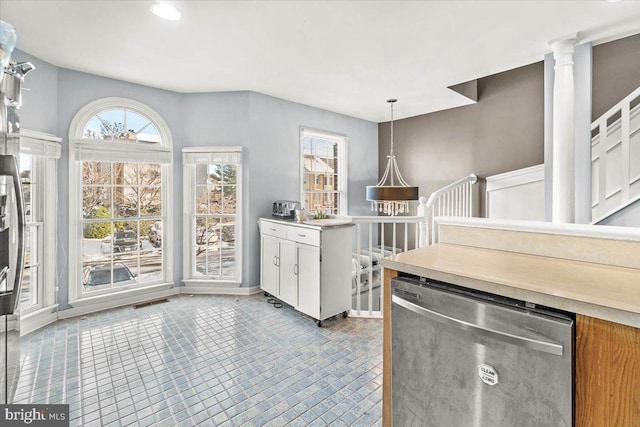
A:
<point x="45" y="150"/>
<point x="342" y="171"/>
<point x="131" y="152"/>
<point x="36" y="206"/>
<point x="205" y="283"/>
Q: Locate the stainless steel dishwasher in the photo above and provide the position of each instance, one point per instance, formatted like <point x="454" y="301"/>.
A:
<point x="469" y="359"/>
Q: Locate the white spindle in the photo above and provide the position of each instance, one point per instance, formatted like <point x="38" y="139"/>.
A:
<point x="625" y="147"/>
<point x="464" y="200"/>
<point x="359" y="269"/>
<point x="406" y="237"/>
<point x="469" y="199"/>
<point x="393" y="245"/>
<point x="370" y="301"/>
<point x="381" y="269"/>
<point x="602" y="165"/>
<point x="455" y="199"/>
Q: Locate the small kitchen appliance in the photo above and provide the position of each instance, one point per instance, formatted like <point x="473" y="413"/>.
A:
<point x="285" y="208"/>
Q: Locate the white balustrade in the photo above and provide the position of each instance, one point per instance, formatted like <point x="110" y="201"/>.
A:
<point x="615" y="158"/>
<point x="456" y="199"/>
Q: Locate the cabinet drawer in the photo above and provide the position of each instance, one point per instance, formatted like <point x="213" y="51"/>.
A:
<point x="273" y="229"/>
<point x="304" y="235"/>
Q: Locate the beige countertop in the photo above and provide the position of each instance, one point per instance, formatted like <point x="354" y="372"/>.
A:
<point x="596" y="290"/>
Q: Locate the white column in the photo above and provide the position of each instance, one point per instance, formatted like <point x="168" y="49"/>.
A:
<point x="563" y="191"/>
<point x="423" y="224"/>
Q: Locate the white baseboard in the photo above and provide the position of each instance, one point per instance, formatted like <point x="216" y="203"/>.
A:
<point x="219" y="290"/>
<point x="48" y="315"/>
<point x="38" y="319"/>
<point x="364" y="314"/>
<point x="116" y="303"/>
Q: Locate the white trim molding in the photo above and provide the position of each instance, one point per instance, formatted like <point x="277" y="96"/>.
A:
<point x="516" y="177"/>
<point x="40" y="143"/>
<point x="81" y="118"/>
<point x="207" y="288"/>
<point x="48" y="315"/>
<point x="517" y="194"/>
<point x="94" y="304"/>
<point x="38" y="319"/>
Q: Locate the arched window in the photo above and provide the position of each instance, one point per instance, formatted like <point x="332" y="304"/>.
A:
<point x="120" y="182"/>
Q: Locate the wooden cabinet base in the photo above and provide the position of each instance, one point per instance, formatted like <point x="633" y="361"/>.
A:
<point x="607" y="374"/>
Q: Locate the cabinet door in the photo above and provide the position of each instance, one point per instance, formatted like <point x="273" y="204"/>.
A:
<point x="288" y="279"/>
<point x="607" y="373"/>
<point x="269" y="250"/>
<point x="309" y="280"/>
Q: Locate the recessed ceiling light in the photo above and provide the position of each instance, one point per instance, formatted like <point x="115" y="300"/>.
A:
<point x="165" y="11"/>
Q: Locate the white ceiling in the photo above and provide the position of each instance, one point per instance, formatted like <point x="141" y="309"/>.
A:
<point x="343" y="56"/>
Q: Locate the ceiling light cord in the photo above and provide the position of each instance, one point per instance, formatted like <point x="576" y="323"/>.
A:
<point x="391" y="101"/>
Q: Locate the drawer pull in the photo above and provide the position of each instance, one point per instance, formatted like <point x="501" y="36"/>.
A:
<point x="302" y="235"/>
<point x="272" y="229"/>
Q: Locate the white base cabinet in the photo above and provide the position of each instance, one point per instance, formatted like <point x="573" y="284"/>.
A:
<point x="307" y="267"/>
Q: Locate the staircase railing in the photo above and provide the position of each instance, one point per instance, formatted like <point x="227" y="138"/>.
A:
<point x="615" y="158"/>
<point x="455" y="199"/>
<point x="399" y="234"/>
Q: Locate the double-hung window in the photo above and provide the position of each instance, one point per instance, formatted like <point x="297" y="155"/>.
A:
<point x="324" y="171"/>
<point x="213" y="216"/>
<point x="37" y="161"/>
<point x="30" y="178"/>
<point x="120" y="211"/>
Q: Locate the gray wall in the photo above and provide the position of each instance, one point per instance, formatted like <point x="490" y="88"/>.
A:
<point x="274" y="160"/>
<point x="502" y="132"/>
<point x="267" y="127"/>
<point x="215" y="119"/>
<point x="616" y="72"/>
<point x="40" y="99"/>
<point x="627" y="217"/>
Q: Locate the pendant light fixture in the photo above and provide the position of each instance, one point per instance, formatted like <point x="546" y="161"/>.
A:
<point x="391" y="199"/>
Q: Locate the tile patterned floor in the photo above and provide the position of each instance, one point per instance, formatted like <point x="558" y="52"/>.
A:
<point x="208" y="361"/>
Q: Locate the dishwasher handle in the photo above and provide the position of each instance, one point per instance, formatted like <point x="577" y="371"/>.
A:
<point x="533" y="344"/>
